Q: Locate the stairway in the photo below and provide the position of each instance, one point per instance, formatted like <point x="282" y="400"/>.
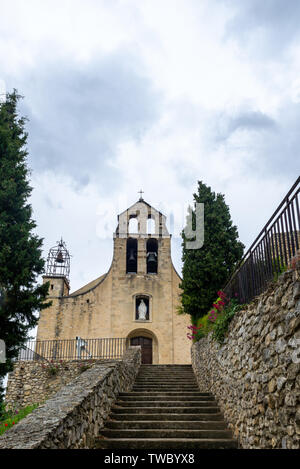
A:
<point x="165" y="410"/>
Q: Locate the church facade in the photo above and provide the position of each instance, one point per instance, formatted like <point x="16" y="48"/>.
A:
<point x="137" y="299"/>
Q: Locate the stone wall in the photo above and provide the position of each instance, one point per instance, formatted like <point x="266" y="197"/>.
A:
<point x="75" y="414"/>
<point x="254" y="375"/>
<point x="34" y="382"/>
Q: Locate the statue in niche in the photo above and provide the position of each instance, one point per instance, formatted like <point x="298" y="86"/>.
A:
<point x="142" y="311"/>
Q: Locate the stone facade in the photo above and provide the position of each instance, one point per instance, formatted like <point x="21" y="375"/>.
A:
<point x="73" y="417"/>
<point x="106" y="307"/>
<point x="255" y="373"/>
<point x="35" y="382"/>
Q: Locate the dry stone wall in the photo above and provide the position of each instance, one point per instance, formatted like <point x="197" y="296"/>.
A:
<point x="76" y="413"/>
<point x="255" y="373"/>
<point x="34" y="382"/>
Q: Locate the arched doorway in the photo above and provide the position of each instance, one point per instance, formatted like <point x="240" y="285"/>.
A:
<point x="147" y="340"/>
<point x="146" y="345"/>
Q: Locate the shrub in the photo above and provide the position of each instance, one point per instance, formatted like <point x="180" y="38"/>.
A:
<point x="224" y="319"/>
<point x="217" y="320"/>
<point x="278" y="267"/>
<point x="14" y="416"/>
<point x="83" y="367"/>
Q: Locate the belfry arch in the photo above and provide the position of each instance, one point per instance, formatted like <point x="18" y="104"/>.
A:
<point x="152" y="256"/>
<point x="131" y="256"/>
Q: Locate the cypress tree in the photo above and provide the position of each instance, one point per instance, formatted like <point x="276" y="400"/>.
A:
<point x="206" y="270"/>
<point x="21" y="259"/>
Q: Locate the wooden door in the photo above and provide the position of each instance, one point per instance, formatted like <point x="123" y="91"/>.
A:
<point x="146" y="345"/>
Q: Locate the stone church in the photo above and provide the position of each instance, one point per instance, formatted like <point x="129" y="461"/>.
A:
<point x="137" y="299"/>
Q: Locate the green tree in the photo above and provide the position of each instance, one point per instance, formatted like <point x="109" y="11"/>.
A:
<point x="21" y="259"/>
<point x="206" y="270"/>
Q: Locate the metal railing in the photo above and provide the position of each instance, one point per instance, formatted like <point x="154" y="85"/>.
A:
<point x="73" y="349"/>
<point x="270" y="253"/>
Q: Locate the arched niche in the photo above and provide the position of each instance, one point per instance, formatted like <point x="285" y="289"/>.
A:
<point x="147" y="300"/>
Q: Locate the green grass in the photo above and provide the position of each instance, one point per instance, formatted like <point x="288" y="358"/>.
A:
<point x="10" y="418"/>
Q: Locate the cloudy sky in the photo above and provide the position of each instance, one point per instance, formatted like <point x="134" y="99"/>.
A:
<point x="152" y="94"/>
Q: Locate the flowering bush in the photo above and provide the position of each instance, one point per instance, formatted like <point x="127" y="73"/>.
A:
<point x="222" y="324"/>
<point x="195" y="333"/>
<point x="216" y="320"/>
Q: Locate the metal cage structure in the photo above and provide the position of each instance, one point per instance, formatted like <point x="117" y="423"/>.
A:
<point x="58" y="261"/>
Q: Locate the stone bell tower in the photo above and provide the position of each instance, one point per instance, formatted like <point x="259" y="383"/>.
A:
<point x="142" y="272"/>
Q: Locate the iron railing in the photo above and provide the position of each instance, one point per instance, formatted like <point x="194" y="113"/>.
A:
<point x="270" y="253"/>
<point x="73" y="349"/>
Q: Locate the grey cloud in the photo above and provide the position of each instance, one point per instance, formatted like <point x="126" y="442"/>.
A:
<point x="274" y="148"/>
<point x="79" y="114"/>
<point x="279" y="153"/>
<point x="251" y="120"/>
<point x="276" y="22"/>
<point x="245" y="120"/>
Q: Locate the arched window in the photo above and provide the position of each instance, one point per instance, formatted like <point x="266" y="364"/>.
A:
<point x="133" y="226"/>
<point x="131" y="256"/>
<point x="152" y="256"/>
<point x="150" y="226"/>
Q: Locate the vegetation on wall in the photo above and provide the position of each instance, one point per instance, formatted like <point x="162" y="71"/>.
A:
<point x="10" y="418"/>
<point x="206" y="270"/>
<point x="20" y="249"/>
<point x="217" y="320"/>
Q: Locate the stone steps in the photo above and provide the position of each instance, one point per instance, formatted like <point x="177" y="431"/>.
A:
<point x="165" y="397"/>
<point x="167" y="424"/>
<point x="165" y="433"/>
<point x="217" y="416"/>
<point x="165" y="443"/>
<point x="165" y="410"/>
<point x="164" y="388"/>
<point x="135" y="395"/>
<point x="162" y="404"/>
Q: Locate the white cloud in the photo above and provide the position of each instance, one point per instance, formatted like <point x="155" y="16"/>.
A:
<point x="205" y="75"/>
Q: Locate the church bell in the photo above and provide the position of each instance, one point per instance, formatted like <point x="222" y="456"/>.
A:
<point x="131" y="256"/>
<point x="152" y="257"/>
<point x="59" y="258"/>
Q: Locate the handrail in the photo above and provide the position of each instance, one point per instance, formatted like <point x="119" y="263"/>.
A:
<point x="269" y="254"/>
<point x="73" y="349"/>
